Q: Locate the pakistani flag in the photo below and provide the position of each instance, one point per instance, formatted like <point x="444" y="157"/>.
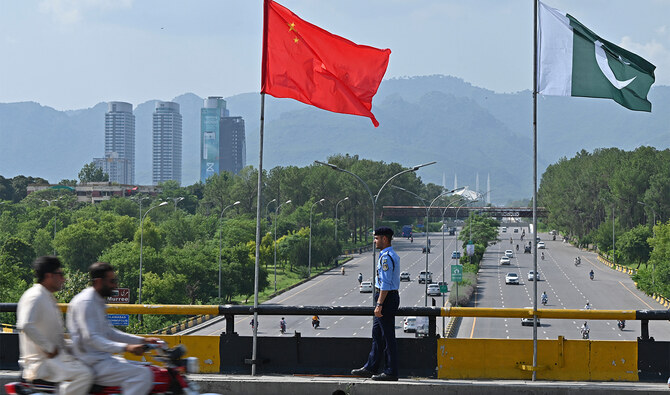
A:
<point x="574" y="61"/>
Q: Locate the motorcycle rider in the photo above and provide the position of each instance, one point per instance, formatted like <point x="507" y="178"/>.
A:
<point x="591" y="274"/>
<point x="43" y="351"/>
<point x="517" y="248"/>
<point x="360" y="278"/>
<point x="584" y="330"/>
<point x="315" y="321"/>
<point x="95" y="340"/>
<point x="282" y="325"/>
<point x="587" y="306"/>
<point x="621" y="324"/>
<point x="343" y="270"/>
<point x="545" y="298"/>
<point x="542" y="255"/>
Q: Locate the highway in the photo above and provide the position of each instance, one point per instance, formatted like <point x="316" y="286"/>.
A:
<point x="567" y="286"/>
<point x="334" y="289"/>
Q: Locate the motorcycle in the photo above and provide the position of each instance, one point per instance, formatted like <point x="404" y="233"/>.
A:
<point x="343" y="270"/>
<point x="621" y="324"/>
<point x="282" y="327"/>
<point x="545" y="300"/>
<point x="315" y="323"/>
<point x="585" y="333"/>
<point x="170" y="379"/>
<point x="591" y="276"/>
<point x="577" y="262"/>
<point x="542" y="256"/>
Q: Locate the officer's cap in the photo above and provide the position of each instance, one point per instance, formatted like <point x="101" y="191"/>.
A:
<point x="384" y="231"/>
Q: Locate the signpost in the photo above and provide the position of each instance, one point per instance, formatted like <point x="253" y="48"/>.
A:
<point x="119" y="296"/>
<point x="456" y="277"/>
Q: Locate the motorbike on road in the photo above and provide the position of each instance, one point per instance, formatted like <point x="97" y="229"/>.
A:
<point x="621" y="324"/>
<point x="591" y="275"/>
<point x="585" y="333"/>
<point x="282" y="326"/>
<point x="315" y="321"/>
<point x="170" y="379"/>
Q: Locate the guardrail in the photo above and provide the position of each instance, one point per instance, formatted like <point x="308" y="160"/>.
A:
<point x="230" y="311"/>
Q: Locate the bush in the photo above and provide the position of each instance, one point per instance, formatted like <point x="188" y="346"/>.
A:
<point x="466" y="289"/>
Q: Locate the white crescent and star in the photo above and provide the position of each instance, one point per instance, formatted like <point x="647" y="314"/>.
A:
<point x="601" y="59"/>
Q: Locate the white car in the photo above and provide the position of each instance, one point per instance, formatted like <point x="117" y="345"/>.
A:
<point x="504" y="260"/>
<point x="366" y="287"/>
<point x="532" y="276"/>
<point x="529" y="321"/>
<point x="509" y="253"/>
<point x="540" y="244"/>
<point x="433" y="289"/>
<point x="512" y="278"/>
<point x="404" y="276"/>
<point x="409" y="324"/>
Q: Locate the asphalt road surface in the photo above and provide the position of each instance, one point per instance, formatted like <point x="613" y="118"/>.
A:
<point x="567" y="286"/>
<point x="334" y="289"/>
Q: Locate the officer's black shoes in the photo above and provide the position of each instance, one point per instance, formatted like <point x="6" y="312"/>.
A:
<point x="384" y="377"/>
<point x="362" y="372"/>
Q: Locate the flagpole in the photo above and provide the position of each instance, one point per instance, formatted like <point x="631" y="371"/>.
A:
<point x="534" y="242"/>
<point x="258" y="237"/>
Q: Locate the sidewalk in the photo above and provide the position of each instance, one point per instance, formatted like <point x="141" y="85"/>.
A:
<point x="238" y="384"/>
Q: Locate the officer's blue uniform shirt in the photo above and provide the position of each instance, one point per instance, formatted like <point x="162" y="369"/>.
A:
<point x="388" y="270"/>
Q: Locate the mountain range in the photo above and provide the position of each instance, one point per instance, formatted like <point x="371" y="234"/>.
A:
<point x="468" y="130"/>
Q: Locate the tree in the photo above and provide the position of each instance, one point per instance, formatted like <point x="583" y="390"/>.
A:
<point x="80" y="244"/>
<point x="92" y="173"/>
<point x="633" y="245"/>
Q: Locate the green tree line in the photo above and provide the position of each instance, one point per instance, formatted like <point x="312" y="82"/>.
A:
<point x="181" y="240"/>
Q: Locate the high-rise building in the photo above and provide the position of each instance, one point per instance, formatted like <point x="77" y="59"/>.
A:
<point x="119" y="160"/>
<point x="167" y="142"/>
<point x="223" y="141"/>
<point x="232" y="144"/>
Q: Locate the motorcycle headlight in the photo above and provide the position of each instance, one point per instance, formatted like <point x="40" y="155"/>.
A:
<point x="192" y="365"/>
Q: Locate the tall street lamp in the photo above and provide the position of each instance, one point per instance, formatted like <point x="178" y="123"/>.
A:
<point x="374" y="203"/>
<point x="221" y="231"/>
<point x="275" y="244"/>
<point x="142" y="244"/>
<point x="338" y="203"/>
<point x="309" y="264"/>
<point x="177" y="200"/>
<point x="267" y="206"/>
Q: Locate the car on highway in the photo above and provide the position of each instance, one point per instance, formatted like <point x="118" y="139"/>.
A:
<point x="529" y="321"/>
<point x="532" y="276"/>
<point x="541" y="245"/>
<point x="509" y="253"/>
<point x="409" y="324"/>
<point x="504" y="229"/>
<point x="526" y="250"/>
<point x="366" y="287"/>
<point x="433" y="289"/>
<point x="404" y="276"/>
<point x="425" y="276"/>
<point x="423" y="250"/>
<point x="456" y="255"/>
<point x="512" y="278"/>
<point x="516" y="230"/>
<point x="504" y="260"/>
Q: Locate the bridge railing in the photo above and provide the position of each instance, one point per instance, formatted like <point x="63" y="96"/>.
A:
<point x="230" y="311"/>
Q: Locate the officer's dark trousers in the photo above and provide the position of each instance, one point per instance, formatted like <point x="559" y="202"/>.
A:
<point x="383" y="337"/>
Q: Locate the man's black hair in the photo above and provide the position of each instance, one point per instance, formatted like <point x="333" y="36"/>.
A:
<point x="98" y="270"/>
<point x="45" y="264"/>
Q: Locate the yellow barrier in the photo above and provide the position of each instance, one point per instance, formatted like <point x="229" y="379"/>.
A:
<point x="205" y="348"/>
<point x="156" y="309"/>
<point x="557" y="359"/>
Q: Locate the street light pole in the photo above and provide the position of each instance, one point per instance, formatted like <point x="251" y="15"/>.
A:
<point x="267" y="206"/>
<point x="221" y="231"/>
<point x="374" y="202"/>
<point x="338" y="203"/>
<point x="177" y="200"/>
<point x="142" y="245"/>
<point x="55" y="212"/>
<point x="275" y="243"/>
<point x="309" y="267"/>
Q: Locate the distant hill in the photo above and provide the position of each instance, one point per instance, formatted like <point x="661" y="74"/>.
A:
<point x="466" y="129"/>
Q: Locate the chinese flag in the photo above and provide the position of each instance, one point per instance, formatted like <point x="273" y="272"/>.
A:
<point x="306" y="63"/>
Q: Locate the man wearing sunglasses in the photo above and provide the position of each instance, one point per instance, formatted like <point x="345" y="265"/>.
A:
<point x="43" y="352"/>
<point x="95" y="339"/>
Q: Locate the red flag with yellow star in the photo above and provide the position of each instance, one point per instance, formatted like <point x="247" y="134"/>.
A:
<point x="305" y="62"/>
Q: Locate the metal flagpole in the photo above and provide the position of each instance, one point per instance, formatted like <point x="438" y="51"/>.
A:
<point x="534" y="243"/>
<point x="258" y="237"/>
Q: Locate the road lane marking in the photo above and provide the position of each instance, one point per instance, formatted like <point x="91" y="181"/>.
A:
<point x="472" y="332"/>
<point x="632" y="293"/>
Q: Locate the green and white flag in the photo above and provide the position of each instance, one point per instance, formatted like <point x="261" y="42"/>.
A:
<point x="574" y="61"/>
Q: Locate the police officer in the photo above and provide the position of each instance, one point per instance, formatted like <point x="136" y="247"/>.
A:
<point x="387" y="299"/>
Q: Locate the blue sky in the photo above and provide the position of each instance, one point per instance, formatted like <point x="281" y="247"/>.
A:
<point x="71" y="54"/>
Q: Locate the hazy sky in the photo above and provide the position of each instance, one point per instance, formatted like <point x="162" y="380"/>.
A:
<point x="71" y="54"/>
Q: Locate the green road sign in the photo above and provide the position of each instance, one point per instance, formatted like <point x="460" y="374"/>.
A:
<point x="456" y="273"/>
<point x="443" y="288"/>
